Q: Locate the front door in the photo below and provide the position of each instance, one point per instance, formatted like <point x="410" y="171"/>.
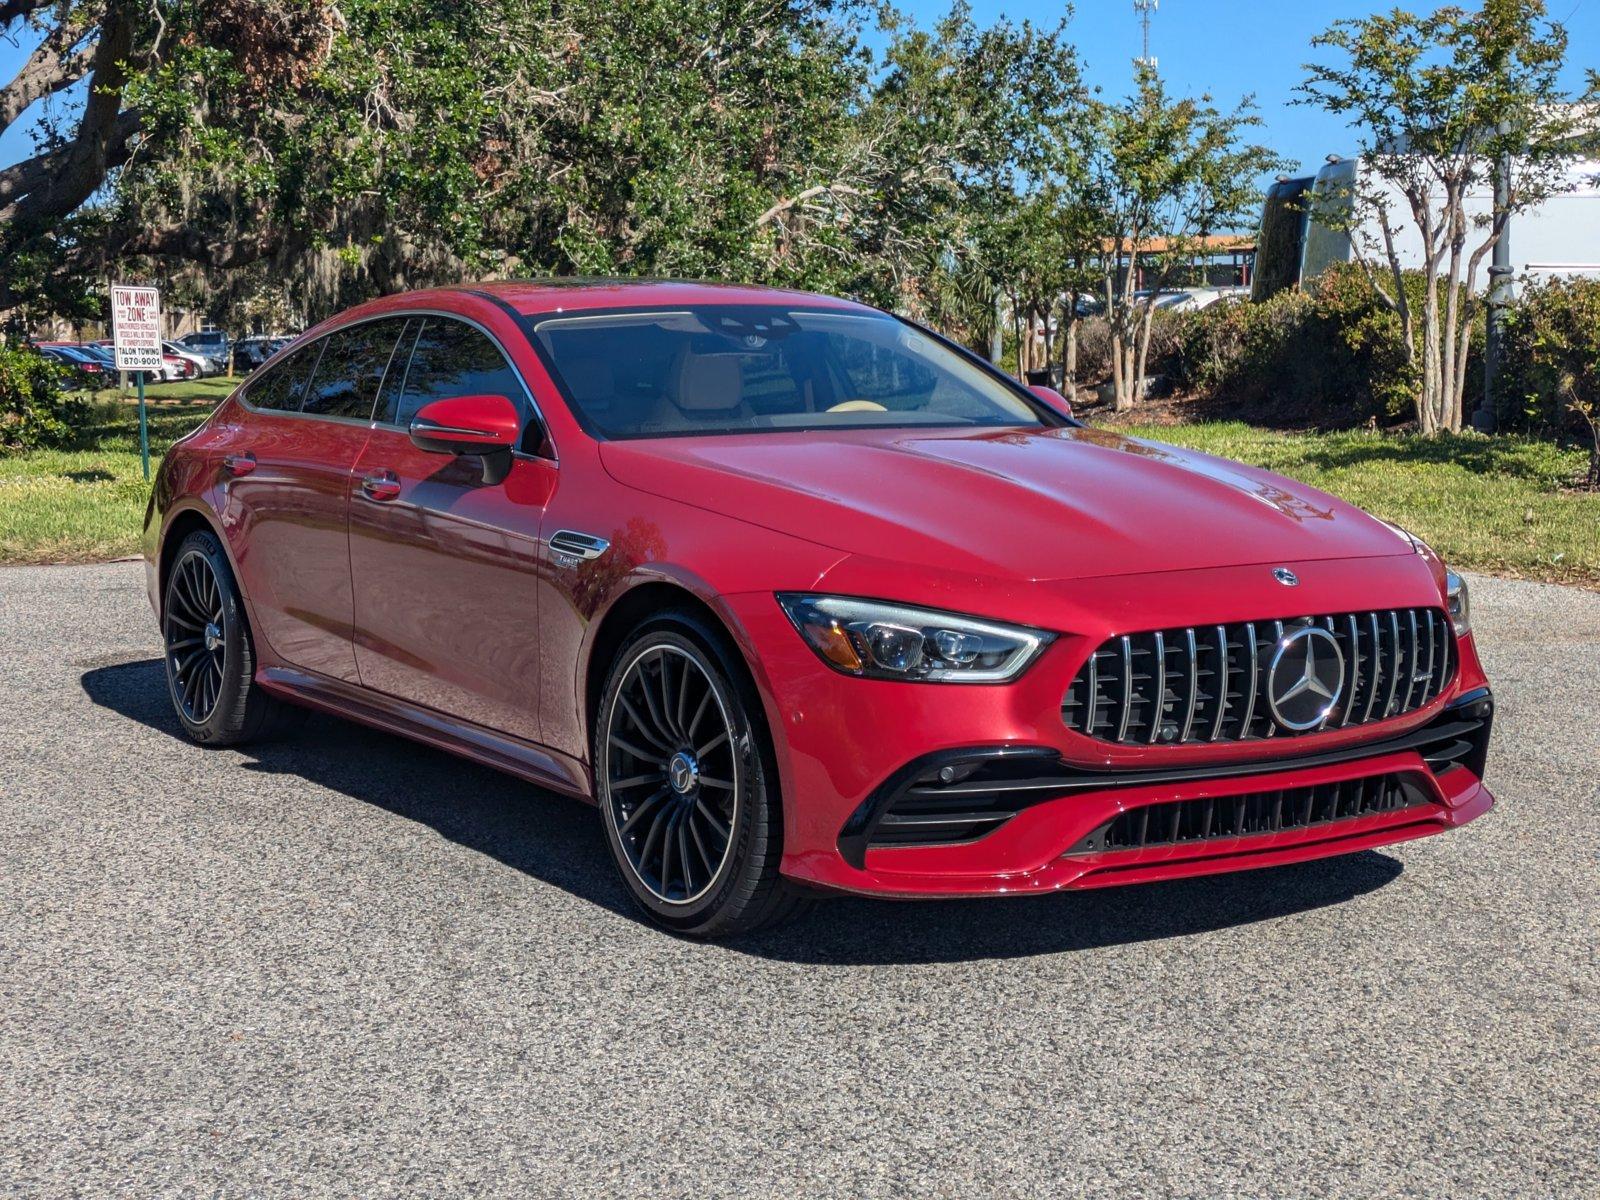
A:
<point x="445" y="565"/>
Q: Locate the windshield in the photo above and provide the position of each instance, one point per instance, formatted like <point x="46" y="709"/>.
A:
<point x="726" y="369"/>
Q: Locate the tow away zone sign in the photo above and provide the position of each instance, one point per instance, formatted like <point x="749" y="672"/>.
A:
<point x="136" y="327"/>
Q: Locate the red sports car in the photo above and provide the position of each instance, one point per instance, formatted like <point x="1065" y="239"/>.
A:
<point x="805" y="598"/>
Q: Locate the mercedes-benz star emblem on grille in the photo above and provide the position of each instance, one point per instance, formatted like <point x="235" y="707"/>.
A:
<point x="1286" y="577"/>
<point x="1305" y="678"/>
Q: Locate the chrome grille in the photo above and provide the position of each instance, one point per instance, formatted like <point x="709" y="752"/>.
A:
<point x="1208" y="683"/>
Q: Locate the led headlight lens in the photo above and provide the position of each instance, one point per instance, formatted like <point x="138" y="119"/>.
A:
<point x="879" y="640"/>
<point x="1457" y="602"/>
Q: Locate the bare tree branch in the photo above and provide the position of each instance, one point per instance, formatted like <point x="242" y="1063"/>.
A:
<point x="53" y="66"/>
<point x="54" y="184"/>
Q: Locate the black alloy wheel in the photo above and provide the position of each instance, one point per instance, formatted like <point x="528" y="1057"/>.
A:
<point x="195" y="625"/>
<point x="687" y="791"/>
<point x="672" y="774"/>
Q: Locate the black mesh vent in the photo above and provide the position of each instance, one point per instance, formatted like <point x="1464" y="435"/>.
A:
<point x="1180" y="821"/>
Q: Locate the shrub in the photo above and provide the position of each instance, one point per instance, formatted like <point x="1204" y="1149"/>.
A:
<point x="1365" y="338"/>
<point x="1330" y="356"/>
<point x="1094" y="351"/>
<point x="1550" y="375"/>
<point x="34" y="411"/>
<point x="1167" y="331"/>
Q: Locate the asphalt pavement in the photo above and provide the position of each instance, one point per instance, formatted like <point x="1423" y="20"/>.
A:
<point x="346" y="965"/>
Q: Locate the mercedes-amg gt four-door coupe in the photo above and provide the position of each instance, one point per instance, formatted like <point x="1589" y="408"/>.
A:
<point x="805" y="599"/>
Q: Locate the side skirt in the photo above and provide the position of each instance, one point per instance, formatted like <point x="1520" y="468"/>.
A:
<point x="537" y="764"/>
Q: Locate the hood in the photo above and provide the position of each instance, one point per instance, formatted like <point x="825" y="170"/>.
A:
<point x="1048" y="504"/>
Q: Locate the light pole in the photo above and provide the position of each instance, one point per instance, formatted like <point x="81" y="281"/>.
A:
<point x="1486" y="419"/>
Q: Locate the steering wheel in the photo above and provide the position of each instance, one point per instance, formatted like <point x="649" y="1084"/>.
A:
<point x="858" y="406"/>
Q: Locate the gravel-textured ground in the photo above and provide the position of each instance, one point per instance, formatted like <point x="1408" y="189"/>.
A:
<point x="348" y="965"/>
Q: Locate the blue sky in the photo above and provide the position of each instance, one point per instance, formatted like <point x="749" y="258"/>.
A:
<point x="1225" y="47"/>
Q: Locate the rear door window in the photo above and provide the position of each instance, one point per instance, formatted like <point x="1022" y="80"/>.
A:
<point x="351" y="369"/>
<point x="283" y="386"/>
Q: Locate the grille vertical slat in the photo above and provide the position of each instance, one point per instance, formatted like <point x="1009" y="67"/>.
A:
<point x="1224" y="676"/>
<point x="1375" y="669"/>
<point x="1199" y="685"/>
<point x="1127" y="688"/>
<point x="1160" y="687"/>
<point x="1394" y="662"/>
<point x="1413" y="653"/>
<point x="1194" y="683"/>
<point x="1252" y="675"/>
<point x="1352" y="667"/>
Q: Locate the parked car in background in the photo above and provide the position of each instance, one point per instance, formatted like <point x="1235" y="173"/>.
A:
<point x="213" y="343"/>
<point x="173" y="367"/>
<point x="1181" y="299"/>
<point x="205" y="365"/>
<point x="101" y="353"/>
<point x="806" y="598"/>
<point x="82" y="370"/>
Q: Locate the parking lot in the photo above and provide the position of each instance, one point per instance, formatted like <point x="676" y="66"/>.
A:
<point x="346" y="965"/>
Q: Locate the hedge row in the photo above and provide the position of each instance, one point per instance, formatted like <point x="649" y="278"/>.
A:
<point x="1334" y="356"/>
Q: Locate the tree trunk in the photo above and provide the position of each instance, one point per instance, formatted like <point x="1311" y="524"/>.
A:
<point x="1016" y="329"/>
<point x="1143" y="343"/>
<point x="1432" y="410"/>
<point x="997" y="337"/>
<point x="1069" y="352"/>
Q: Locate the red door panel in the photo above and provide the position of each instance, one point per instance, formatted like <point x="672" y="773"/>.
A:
<point x="287" y="518"/>
<point x="445" y="570"/>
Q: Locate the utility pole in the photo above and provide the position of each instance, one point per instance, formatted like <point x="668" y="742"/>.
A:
<point x="1145" y="8"/>
<point x="1486" y="419"/>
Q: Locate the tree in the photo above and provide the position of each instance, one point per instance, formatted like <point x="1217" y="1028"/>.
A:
<point x="130" y="62"/>
<point x="964" y="120"/>
<point x="1436" y="100"/>
<point x="1170" y="173"/>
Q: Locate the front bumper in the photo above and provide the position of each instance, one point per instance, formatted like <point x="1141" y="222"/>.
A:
<point x="845" y="744"/>
<point x="981" y="832"/>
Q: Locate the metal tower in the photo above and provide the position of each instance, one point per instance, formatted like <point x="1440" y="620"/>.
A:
<point x="1145" y="8"/>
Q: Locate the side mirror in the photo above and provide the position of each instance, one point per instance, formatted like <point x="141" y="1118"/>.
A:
<point x="466" y="425"/>
<point x="1052" y="398"/>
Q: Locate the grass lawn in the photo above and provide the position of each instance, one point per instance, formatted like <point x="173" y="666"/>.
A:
<point x="88" y="504"/>
<point x="1498" y="505"/>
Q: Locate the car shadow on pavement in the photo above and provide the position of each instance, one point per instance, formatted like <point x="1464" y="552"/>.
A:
<point x="557" y="840"/>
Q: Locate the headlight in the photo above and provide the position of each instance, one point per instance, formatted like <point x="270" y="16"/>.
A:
<point x="1457" y="603"/>
<point x="878" y="640"/>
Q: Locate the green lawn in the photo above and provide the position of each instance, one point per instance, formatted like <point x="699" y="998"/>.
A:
<point x="86" y="504"/>
<point x="1500" y="505"/>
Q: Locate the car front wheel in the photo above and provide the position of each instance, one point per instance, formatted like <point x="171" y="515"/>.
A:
<point x="687" y="795"/>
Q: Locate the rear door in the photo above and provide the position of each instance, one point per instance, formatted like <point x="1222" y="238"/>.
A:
<point x="445" y="565"/>
<point x="289" y="491"/>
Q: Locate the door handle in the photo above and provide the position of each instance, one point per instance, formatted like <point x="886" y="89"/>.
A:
<point x="239" y="464"/>
<point x="381" y="485"/>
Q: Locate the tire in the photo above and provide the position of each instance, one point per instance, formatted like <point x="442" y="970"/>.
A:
<point x="210" y="658"/>
<point x="686" y="786"/>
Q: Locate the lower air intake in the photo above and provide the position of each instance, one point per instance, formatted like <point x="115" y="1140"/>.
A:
<point x="1179" y="822"/>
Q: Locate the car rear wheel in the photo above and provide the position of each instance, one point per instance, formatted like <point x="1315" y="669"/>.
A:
<point x="687" y="795"/>
<point x="210" y="657"/>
